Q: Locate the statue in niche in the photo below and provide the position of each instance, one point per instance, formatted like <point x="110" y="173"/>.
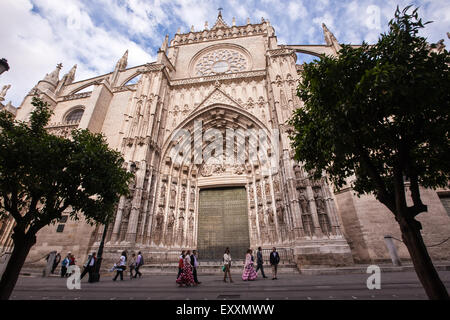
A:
<point x="183" y="198"/>
<point x="171" y="219"/>
<point x="270" y="215"/>
<point x="192" y="197"/>
<point x="303" y="202"/>
<point x="191" y="221"/>
<point x="261" y="218"/>
<point x="280" y="213"/>
<point x="250" y="191"/>
<point x="163" y="193"/>
<point x="320" y="202"/>
<point x="159" y="218"/>
<point x="267" y="189"/>
<point x="276" y="186"/>
<point x="173" y="194"/>
<point x="258" y="191"/>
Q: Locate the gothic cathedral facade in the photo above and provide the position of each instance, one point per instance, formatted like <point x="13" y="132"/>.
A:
<point x="207" y="83"/>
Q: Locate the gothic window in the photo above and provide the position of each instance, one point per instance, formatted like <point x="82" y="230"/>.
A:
<point x="74" y="116"/>
<point x="221" y="61"/>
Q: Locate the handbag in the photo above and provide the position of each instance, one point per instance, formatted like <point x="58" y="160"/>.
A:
<point x="224" y="268"/>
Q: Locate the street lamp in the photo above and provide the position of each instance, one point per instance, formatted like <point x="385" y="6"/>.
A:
<point x="4" y="66"/>
<point x="96" y="275"/>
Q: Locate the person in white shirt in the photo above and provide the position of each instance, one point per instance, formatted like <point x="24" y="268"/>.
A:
<point x="227" y="265"/>
<point x="121" y="266"/>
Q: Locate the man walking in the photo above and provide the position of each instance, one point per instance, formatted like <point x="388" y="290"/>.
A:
<point x="56" y="262"/>
<point x="274" y="261"/>
<point x="139" y="263"/>
<point x="89" y="266"/>
<point x="195" y="264"/>
<point x="260" y="262"/>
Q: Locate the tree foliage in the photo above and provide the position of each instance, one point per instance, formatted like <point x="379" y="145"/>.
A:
<point x="43" y="175"/>
<point x="378" y="112"/>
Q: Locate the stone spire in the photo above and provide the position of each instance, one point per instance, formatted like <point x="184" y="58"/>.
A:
<point x="123" y="62"/>
<point x="330" y="39"/>
<point x="66" y="79"/>
<point x="70" y="76"/>
<point x="4" y="91"/>
<point x="165" y="43"/>
<point x="220" y="23"/>
<point x="120" y="65"/>
<point x="53" y="77"/>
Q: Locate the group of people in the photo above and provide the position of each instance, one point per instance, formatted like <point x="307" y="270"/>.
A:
<point x="187" y="269"/>
<point x="188" y="264"/>
<point x="134" y="264"/>
<point x="250" y="273"/>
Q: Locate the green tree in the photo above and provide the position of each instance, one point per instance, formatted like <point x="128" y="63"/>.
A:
<point x="379" y="115"/>
<point x="42" y="176"/>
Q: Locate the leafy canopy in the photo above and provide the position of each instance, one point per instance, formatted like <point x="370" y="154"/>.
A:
<point x="42" y="175"/>
<point x="377" y="112"/>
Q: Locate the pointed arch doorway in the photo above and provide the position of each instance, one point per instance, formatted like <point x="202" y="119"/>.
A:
<point x="222" y="222"/>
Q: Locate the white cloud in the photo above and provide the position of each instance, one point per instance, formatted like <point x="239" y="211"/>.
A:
<point x="38" y="34"/>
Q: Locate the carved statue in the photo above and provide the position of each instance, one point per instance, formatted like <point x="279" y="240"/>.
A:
<point x="163" y="193"/>
<point x="183" y="198"/>
<point x="191" y="221"/>
<point x="252" y="195"/>
<point x="280" y="213"/>
<point x="4" y="90"/>
<point x="267" y="189"/>
<point x="192" y="197"/>
<point x="159" y="218"/>
<point x="270" y="215"/>
<point x="276" y="186"/>
<point x="171" y="219"/>
<point x="320" y="203"/>
<point x="303" y="202"/>
<point x="173" y="194"/>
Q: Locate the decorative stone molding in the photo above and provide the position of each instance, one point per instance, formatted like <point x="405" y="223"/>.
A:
<point x="131" y="87"/>
<point x="221" y="32"/>
<point x="62" y="129"/>
<point x="76" y="96"/>
<point x="229" y="76"/>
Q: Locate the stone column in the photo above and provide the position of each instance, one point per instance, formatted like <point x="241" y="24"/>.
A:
<point x="136" y="204"/>
<point x="118" y="221"/>
<point x="313" y="209"/>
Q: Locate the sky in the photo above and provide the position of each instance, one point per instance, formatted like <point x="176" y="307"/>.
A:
<point x="35" y="35"/>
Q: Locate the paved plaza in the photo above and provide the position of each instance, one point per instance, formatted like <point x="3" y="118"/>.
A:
<point x="394" y="286"/>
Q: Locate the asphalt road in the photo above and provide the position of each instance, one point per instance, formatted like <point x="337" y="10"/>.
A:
<point x="394" y="286"/>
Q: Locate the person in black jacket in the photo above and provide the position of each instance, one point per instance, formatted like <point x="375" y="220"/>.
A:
<point x="194" y="263"/>
<point x="260" y="262"/>
<point x="274" y="261"/>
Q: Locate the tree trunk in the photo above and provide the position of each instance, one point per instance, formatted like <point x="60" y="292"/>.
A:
<point x="423" y="265"/>
<point x="22" y="246"/>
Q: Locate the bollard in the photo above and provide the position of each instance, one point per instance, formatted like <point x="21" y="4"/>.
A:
<point x="392" y="250"/>
<point x="48" y="267"/>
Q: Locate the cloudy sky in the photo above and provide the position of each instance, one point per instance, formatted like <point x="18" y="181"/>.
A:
<point x="35" y="35"/>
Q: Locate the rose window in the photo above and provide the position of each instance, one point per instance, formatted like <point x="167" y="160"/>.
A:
<point x="221" y="61"/>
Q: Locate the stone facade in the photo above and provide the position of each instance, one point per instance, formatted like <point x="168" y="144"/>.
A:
<point x="227" y="77"/>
